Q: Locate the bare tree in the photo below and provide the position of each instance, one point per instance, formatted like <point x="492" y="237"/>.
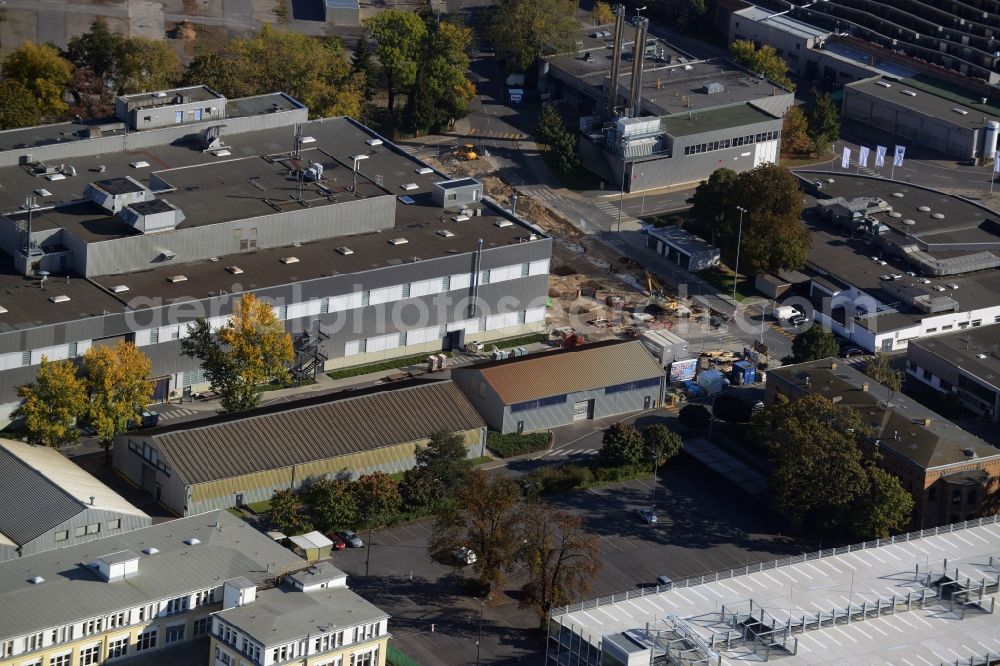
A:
<point x="560" y="558"/>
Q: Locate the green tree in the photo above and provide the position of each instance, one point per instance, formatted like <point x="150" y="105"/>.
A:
<point x="315" y="71"/>
<point x="774" y="236"/>
<point x="118" y="388"/>
<point x="549" y="125"/>
<point x="695" y="416"/>
<point x="99" y="49"/>
<point x="45" y="73"/>
<point x="713" y="200"/>
<point x="878" y="368"/>
<point x="251" y="349"/>
<point x="623" y="445"/>
<point x="18" y="106"/>
<point x="446" y="458"/>
<point x="399" y="38"/>
<point x="764" y="61"/>
<point x="146" y="64"/>
<point x="52" y="404"/>
<point x="420" y="490"/>
<point x="823" y="119"/>
<point x="601" y="13"/>
<point x="561" y="143"/>
<point x="560" y="558"/>
<point x="376" y="496"/>
<point x="660" y="443"/>
<point x="286" y="512"/>
<point x="885" y="508"/>
<point x="814" y="343"/>
<point x="795" y="139"/>
<point x="332" y="504"/>
<point x="485" y="518"/>
<point x="564" y="155"/>
<point x="817" y="466"/>
<point x="441" y="92"/>
<point x="522" y="30"/>
<point x="363" y="63"/>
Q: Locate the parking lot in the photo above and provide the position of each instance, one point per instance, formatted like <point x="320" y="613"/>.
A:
<point x="704" y="526"/>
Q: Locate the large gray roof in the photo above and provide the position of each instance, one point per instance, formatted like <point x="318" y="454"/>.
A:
<point x="314" y="429"/>
<point x="72" y="591"/>
<point x="280" y="615"/>
<point x="31" y="505"/>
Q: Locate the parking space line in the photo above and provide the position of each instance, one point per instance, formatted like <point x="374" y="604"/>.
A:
<point x="771" y="579"/>
<point x="922" y="550"/>
<point x="778" y="570"/>
<point x="813" y="638"/>
<point x="799" y="571"/>
<point x="820" y="571"/>
<point x="845" y="634"/>
<point x="962" y="539"/>
<point x="973" y="534"/>
<point x="698" y="594"/>
<point x="926" y="661"/>
<point x="742" y="584"/>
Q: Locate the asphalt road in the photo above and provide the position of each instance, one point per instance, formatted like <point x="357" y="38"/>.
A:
<point x="704" y="526"/>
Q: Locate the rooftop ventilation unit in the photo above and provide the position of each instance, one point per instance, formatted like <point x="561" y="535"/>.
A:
<point x="713" y="88"/>
<point x="398" y="241"/>
<point x="140" y="164"/>
<point x="36" y="580"/>
<point x="461" y="218"/>
<point x="504" y="223"/>
<point x="423" y="171"/>
<point x="959" y="111"/>
<point x="151" y="550"/>
<point x="177" y="278"/>
<point x="344" y="250"/>
<point x="908" y="93"/>
<point x="445" y="233"/>
<point x="410" y="186"/>
<point x="307" y="139"/>
<point x="374" y="142"/>
<point x="884" y="84"/>
<point x="235" y="270"/>
<point x="290" y="260"/>
<point x="62" y="298"/>
<point x="193" y="541"/>
<point x="119" y="288"/>
<point x="3" y="310"/>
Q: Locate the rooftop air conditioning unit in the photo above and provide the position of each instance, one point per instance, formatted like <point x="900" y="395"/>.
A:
<point x="290" y="260"/>
<point x="344" y="250"/>
<point x="445" y="233"/>
<point x="423" y="171"/>
<point x="504" y="223"/>
<point x="119" y="288"/>
<point x="235" y="270"/>
<point x="374" y="142"/>
<point x="62" y="298"/>
<point x="409" y="186"/>
<point x="398" y="241"/>
<point x="177" y="278"/>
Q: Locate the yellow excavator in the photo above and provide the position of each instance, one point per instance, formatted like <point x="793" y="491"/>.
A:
<point x="466" y="151"/>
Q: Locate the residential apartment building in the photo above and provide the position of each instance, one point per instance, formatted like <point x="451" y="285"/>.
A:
<point x="952" y="474"/>
<point x="313" y="619"/>
<point x="131" y="594"/>
<point x="47" y="501"/>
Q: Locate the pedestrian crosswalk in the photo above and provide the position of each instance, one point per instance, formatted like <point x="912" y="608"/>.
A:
<point x="175" y="413"/>
<point x="515" y="136"/>
<point x="543" y="193"/>
<point x="565" y="453"/>
<point x="607" y="208"/>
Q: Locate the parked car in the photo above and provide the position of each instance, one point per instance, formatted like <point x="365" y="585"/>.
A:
<point x="852" y="351"/>
<point x="798" y="320"/>
<point x="648" y="517"/>
<point x="665" y="581"/>
<point x="148" y="419"/>
<point x="351" y="539"/>
<point x="338" y="543"/>
<point x="464" y="555"/>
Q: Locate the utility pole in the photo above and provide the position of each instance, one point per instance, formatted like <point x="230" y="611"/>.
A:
<point x="736" y="270"/>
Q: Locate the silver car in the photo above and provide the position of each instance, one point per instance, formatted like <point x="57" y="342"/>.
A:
<point x="352" y="539"/>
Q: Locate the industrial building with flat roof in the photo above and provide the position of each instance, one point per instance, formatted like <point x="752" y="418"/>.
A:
<point x="891" y="262"/>
<point x="51" y="502"/>
<point x="963" y="126"/>
<point x="674" y="120"/>
<point x="233" y="460"/>
<point x="132" y="233"/>
<point x="952" y="474"/>
<point x="965" y="364"/>
<point x="921" y="598"/>
<point x="130" y="594"/>
<point x="542" y="391"/>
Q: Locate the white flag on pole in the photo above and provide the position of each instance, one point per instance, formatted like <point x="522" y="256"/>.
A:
<point x="863" y="156"/>
<point x="879" y="156"/>
<point x="897" y="160"/>
<point x="845" y="161"/>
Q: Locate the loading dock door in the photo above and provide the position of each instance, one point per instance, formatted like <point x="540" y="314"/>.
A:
<point x="583" y="410"/>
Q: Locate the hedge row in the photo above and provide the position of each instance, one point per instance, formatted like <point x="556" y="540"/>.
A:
<point x="571" y="476"/>
<point x="513" y="444"/>
<point x="391" y="364"/>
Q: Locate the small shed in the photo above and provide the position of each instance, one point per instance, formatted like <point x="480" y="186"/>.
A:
<point x="457" y="193"/>
<point x="312" y="546"/>
<point x="343" y="12"/>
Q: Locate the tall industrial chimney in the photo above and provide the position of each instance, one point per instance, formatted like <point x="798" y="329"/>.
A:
<point x="616" y="58"/>
<point x="638" y="55"/>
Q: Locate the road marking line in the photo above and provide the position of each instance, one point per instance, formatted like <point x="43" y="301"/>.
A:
<point x="776" y="582"/>
<point x="846" y="634"/>
<point x="820" y="571"/>
<point x="973" y="534"/>
<point x="872" y="626"/>
<point x="922" y="550"/>
<point x="699" y="594"/>
<point x="926" y="661"/>
<point x="960" y="538"/>
<point x="742" y="584"/>
<point x="778" y="570"/>
<point x="799" y="571"/>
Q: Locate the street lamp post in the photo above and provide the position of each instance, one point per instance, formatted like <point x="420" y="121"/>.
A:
<point x="621" y="197"/>
<point x="642" y="205"/>
<point x="652" y="495"/>
<point x="736" y="270"/>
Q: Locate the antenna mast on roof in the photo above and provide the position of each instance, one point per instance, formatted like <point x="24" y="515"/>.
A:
<point x="297" y="141"/>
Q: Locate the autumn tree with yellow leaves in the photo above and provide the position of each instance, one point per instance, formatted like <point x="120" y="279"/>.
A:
<point x="52" y="404"/>
<point x="251" y="349"/>
<point x="118" y="388"/>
